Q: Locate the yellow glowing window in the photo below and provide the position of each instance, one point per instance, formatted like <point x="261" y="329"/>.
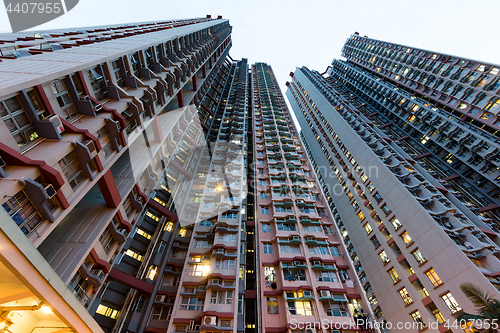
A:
<point x="153" y="216"/>
<point x="160" y="201"/>
<point x="169" y="226"/>
<point x="368" y="228"/>
<point x="406" y="238"/>
<point x="394" y="276"/>
<point x="411" y="119"/>
<point x="433" y="277"/>
<point x="134" y="255"/>
<point x="143" y="234"/>
<point x="107" y="311"/>
<point x="361" y="216"/>
<point x="151" y="272"/>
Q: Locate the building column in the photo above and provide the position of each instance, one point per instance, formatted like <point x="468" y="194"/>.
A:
<point x="109" y="190"/>
<point x="180" y="98"/>
<point x="195" y="83"/>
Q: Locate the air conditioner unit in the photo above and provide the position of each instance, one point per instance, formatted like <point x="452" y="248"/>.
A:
<point x="202" y="288"/>
<point x="309" y="238"/>
<point x="90" y="145"/>
<point x="50" y="190"/>
<point x="317" y="263"/>
<point x="159" y="298"/>
<point x="220" y="250"/>
<point x="324" y="293"/>
<point x="168" y="268"/>
<point x="210" y="320"/>
<point x="206" y="257"/>
<point x="56" y="120"/>
<point x="307" y="293"/>
<point x="2" y="162"/>
<point x="296" y="262"/>
<point x="191" y="325"/>
<point x="295" y="237"/>
<point x="215" y="281"/>
<point x="176" y="244"/>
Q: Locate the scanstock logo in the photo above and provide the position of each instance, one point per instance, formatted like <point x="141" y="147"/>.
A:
<point x="25" y="14"/>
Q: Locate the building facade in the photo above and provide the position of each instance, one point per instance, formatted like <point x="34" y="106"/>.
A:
<point x="405" y="141"/>
<point x="108" y="142"/>
<point x="303" y="271"/>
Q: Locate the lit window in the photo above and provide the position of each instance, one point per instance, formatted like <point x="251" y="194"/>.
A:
<point x="107" y="311"/>
<point x="433" y="277"/>
<point x="383" y="256"/>
<point x="394" y="276"/>
<point x="406" y="238"/>
<point x="368" y="228"/>
<point x="361" y="215"/>
<point x="419" y="257"/>
<point x="151" y="272"/>
<point x="198" y="270"/>
<point x="417" y="318"/>
<point x="272" y="305"/>
<point x="451" y="303"/>
<point x="169" y="226"/>
<point x="395" y="222"/>
<point x="405" y="296"/>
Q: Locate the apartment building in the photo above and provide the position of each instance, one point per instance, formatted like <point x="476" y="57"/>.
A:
<point x="304" y="274"/>
<point x="105" y="144"/>
<point x="404" y="141"/>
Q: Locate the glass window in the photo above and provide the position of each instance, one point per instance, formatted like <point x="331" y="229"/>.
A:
<point x="405" y="296"/>
<point x="272" y="305"/>
<point x="451" y="303"/>
<point x="433" y="277"/>
<point x="394" y="276"/>
<point x="419" y="257"/>
<point x="268" y="248"/>
<point x="383" y="256"/>
<point x="266" y="227"/>
<point x="406" y="238"/>
<point x="16" y="120"/>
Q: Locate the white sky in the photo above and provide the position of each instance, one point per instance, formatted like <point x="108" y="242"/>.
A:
<point x="290" y="33"/>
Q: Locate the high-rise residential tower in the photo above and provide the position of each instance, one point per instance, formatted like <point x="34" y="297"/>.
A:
<point x="303" y="272"/>
<point x="405" y="144"/>
<point x="112" y="140"/>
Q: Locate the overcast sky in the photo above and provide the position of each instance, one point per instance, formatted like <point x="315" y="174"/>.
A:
<point x="293" y="33"/>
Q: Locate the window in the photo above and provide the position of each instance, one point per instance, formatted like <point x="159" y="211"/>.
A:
<point x="433" y="277"/>
<point x="192" y="303"/>
<point x="395" y="223"/>
<point x="451" y="303"/>
<point x="326" y="276"/>
<point x="266" y="227"/>
<point x="368" y="228"/>
<point x="378" y="197"/>
<point x="406" y="238"/>
<point x="418" y="319"/>
<point x="263" y="195"/>
<point x="221" y="297"/>
<point x="262" y="183"/>
<point x="290" y="248"/>
<point x="107" y="311"/>
<point x="151" y="272"/>
<point x="224" y="263"/>
<point x="318" y="250"/>
<point x="227" y="238"/>
<point x="16" y="120"/>
<point x="264" y="210"/>
<point x="72" y="170"/>
<point x="386" y="209"/>
<point x="419" y="257"/>
<point x="361" y="215"/>
<point x="268" y="248"/>
<point x="383" y="256"/>
<point x="134" y="255"/>
<point x="63" y="99"/>
<point x="22" y="211"/>
<point x="375" y="241"/>
<point x="181" y="328"/>
<point x="198" y="270"/>
<point x="272" y="305"/>
<point x="300" y="308"/>
<point x="269" y="273"/>
<point x="143" y="234"/>
<point x="161" y="313"/>
<point x="405" y="296"/>
<point x="394" y="276"/>
<point x="335" y="251"/>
